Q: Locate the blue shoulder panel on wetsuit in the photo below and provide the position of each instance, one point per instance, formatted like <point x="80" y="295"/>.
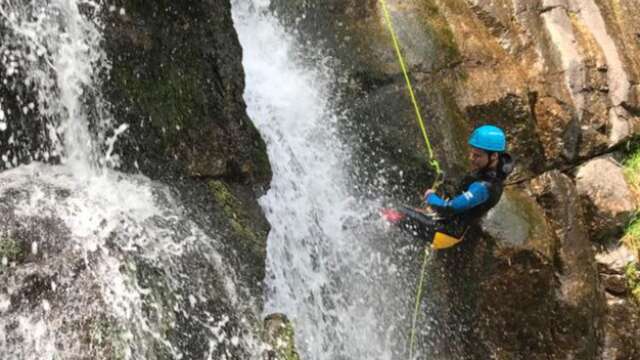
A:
<point x="477" y="194"/>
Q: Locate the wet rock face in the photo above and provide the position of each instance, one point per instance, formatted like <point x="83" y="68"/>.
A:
<point x="45" y="282"/>
<point x="608" y="197"/>
<point x="622" y="318"/>
<point x="622" y="330"/>
<point x="177" y="79"/>
<point x="23" y="133"/>
<point x="559" y="76"/>
<point x="539" y="293"/>
<point x="518" y="221"/>
<point x="523" y="321"/>
<point x="121" y="288"/>
<point x="579" y="296"/>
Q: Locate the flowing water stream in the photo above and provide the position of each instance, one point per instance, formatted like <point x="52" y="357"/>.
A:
<point x="329" y="263"/>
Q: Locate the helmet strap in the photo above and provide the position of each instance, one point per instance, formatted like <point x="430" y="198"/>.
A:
<point x="489" y="154"/>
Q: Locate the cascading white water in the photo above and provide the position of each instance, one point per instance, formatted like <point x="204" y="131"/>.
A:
<point x="121" y="255"/>
<point x="115" y="225"/>
<point x="327" y="269"/>
<point x="59" y="54"/>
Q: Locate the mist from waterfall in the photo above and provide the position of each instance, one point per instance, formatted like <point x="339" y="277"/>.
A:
<point x="329" y="264"/>
<point x="113" y="254"/>
<point x="57" y="52"/>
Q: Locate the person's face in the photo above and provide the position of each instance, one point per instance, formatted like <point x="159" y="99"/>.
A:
<point x="478" y="159"/>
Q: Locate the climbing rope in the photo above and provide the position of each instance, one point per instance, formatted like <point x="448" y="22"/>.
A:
<point x="431" y="158"/>
<point x="416" y="309"/>
<point x="396" y="44"/>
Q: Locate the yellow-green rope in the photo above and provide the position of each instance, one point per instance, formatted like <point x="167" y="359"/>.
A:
<point x="396" y="44"/>
<point x="432" y="160"/>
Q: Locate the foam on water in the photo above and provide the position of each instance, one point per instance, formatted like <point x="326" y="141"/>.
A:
<point x="325" y="269"/>
<point x="114" y="222"/>
<point x="57" y="52"/>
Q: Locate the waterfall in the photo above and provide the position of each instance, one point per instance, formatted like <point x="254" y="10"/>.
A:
<point x="329" y="269"/>
<point x="110" y="265"/>
<point x="57" y="51"/>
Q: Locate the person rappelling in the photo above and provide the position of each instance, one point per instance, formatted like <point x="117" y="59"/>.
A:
<point x="448" y="220"/>
<point x="444" y="221"/>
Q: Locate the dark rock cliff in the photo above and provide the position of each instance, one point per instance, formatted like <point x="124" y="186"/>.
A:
<point x="177" y="80"/>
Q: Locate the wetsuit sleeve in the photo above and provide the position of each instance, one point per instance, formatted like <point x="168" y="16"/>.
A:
<point x="477" y="194"/>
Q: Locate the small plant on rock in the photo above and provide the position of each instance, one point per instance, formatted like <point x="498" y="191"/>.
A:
<point x="632" y="170"/>
<point x="632" y="235"/>
<point x="9" y="249"/>
<point x="632" y="273"/>
<point x="632" y="173"/>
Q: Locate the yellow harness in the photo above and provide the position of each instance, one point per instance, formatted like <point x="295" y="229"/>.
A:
<point x="444" y="241"/>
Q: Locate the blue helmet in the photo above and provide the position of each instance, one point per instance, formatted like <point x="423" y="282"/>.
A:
<point x="489" y="138"/>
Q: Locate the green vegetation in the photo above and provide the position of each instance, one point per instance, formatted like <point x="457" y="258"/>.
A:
<point x="632" y="173"/>
<point x="632" y="165"/>
<point x="440" y="31"/>
<point x="631" y="238"/>
<point x="107" y="339"/>
<point x="283" y="342"/>
<point x="288" y="350"/>
<point x="239" y="220"/>
<point x="632" y="273"/>
<point x="9" y="248"/>
<point x="632" y="234"/>
<point x="232" y="208"/>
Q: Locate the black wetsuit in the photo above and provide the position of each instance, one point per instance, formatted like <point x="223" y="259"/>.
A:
<point x="446" y="220"/>
<point x="460" y="271"/>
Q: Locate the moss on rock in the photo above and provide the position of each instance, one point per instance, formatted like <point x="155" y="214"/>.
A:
<point x="10" y="249"/>
<point x="279" y="335"/>
<point x="245" y="229"/>
<point x="177" y="81"/>
<point x="440" y="31"/>
<point x="632" y="235"/>
<point x="233" y="210"/>
<point x="107" y="337"/>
